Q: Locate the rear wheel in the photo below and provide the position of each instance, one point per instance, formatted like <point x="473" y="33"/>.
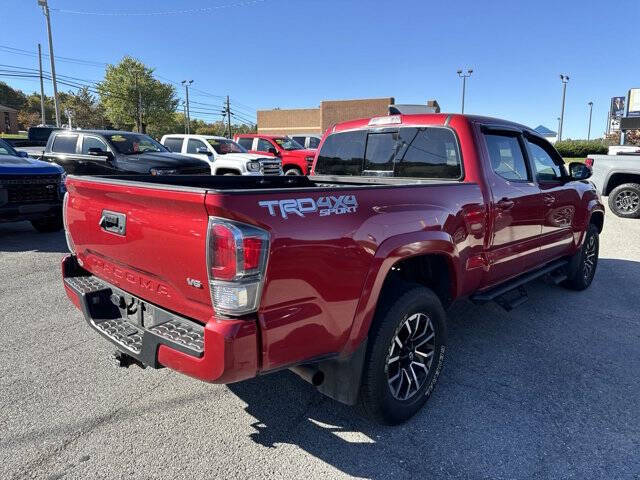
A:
<point x="583" y="265"/>
<point x="47" y="225"/>
<point x="293" y="171"/>
<point x="624" y="200"/>
<point x="404" y="356"/>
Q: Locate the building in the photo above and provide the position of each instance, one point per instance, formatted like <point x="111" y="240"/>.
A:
<point x="303" y="121"/>
<point x="550" y="135"/>
<point x="8" y="120"/>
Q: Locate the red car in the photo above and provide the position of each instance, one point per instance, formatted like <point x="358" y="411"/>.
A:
<point x="296" y="160"/>
<point x="342" y="277"/>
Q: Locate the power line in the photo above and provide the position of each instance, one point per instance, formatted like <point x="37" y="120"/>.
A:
<point x="174" y="12"/>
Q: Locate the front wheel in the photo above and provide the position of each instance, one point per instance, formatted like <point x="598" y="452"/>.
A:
<point x="47" y="225"/>
<point x="405" y="355"/>
<point x="293" y="171"/>
<point x="583" y="265"/>
<point x="624" y="200"/>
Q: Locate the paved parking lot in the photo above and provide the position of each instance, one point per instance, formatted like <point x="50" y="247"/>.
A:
<point x="550" y="390"/>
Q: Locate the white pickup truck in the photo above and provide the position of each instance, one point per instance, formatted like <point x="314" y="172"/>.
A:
<point x="224" y="156"/>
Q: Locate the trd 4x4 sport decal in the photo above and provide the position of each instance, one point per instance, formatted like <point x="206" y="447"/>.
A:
<point x="300" y="206"/>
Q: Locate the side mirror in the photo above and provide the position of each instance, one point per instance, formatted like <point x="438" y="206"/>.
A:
<point x="204" y="151"/>
<point x="98" y="152"/>
<point x="273" y="151"/>
<point x="23" y="154"/>
<point x="579" y="171"/>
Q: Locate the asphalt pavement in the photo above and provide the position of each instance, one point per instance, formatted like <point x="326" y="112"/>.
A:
<point x="549" y="390"/>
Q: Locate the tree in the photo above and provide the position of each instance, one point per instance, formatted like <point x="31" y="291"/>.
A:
<point x="85" y="110"/>
<point x="10" y="97"/>
<point x="132" y="97"/>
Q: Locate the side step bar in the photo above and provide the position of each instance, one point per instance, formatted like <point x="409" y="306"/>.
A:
<point x="516" y="286"/>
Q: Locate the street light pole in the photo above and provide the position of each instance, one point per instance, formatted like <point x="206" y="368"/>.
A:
<point x="43" y="119"/>
<point x="564" y="79"/>
<point x="186" y="84"/>
<point x="464" y="77"/>
<point x="590" y="112"/>
<point x="45" y="9"/>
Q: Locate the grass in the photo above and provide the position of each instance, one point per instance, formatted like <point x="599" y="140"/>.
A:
<point x="12" y="135"/>
<point x="568" y="160"/>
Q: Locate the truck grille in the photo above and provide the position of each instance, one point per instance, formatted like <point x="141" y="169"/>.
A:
<point x="271" y="168"/>
<point x="23" y="189"/>
<point x="309" y="165"/>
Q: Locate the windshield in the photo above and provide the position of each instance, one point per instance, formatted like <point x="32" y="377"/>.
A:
<point x="223" y="146"/>
<point x="6" y="149"/>
<point x="134" y="143"/>
<point x="288" y="143"/>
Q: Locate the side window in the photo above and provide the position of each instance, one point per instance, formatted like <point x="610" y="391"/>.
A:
<point x="342" y="154"/>
<point x="546" y="169"/>
<point x="193" y="145"/>
<point x="264" y="145"/>
<point x="506" y="157"/>
<point x="314" y="142"/>
<point x="92" y="142"/>
<point x="245" y="142"/>
<point x="174" y="144"/>
<point x="300" y="140"/>
<point x="64" y="144"/>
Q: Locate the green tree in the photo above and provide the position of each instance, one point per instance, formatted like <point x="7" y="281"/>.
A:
<point x="132" y="97"/>
<point x="85" y="110"/>
<point x="10" y="97"/>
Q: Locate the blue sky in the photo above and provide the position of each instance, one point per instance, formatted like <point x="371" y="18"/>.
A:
<point x="295" y="53"/>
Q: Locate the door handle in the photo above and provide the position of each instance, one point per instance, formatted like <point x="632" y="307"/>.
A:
<point x="549" y="200"/>
<point x="505" y="204"/>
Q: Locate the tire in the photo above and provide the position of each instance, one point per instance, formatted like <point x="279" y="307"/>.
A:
<point x="293" y="171"/>
<point x="582" y="267"/>
<point x="383" y="399"/>
<point x="624" y="200"/>
<point x="48" y="225"/>
<point x="231" y="173"/>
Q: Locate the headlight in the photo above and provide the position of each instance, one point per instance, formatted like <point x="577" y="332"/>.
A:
<point x="253" y="166"/>
<point x="163" y="171"/>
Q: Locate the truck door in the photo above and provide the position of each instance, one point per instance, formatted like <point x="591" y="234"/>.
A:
<point x="559" y="198"/>
<point x="64" y="153"/>
<point x="96" y="157"/>
<point x="197" y="148"/>
<point x="516" y="209"/>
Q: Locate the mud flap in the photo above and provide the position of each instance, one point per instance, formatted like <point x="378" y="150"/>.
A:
<point x="342" y="376"/>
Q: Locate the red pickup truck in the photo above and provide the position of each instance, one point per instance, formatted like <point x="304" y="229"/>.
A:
<point x="296" y="160"/>
<point x="342" y="277"/>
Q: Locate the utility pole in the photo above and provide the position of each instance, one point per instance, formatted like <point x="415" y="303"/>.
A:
<point x="564" y="79"/>
<point x="45" y="9"/>
<point x="558" y="129"/>
<point x="229" y="117"/>
<point x="184" y="111"/>
<point x="186" y="84"/>
<point x="43" y="119"/>
<point x="590" y="112"/>
<point x="464" y="77"/>
<point x="142" y="129"/>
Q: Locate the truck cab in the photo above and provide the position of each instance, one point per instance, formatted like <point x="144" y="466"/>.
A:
<point x="224" y="156"/>
<point x="296" y="160"/>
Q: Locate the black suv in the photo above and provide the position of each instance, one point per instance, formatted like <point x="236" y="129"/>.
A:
<point x="109" y="152"/>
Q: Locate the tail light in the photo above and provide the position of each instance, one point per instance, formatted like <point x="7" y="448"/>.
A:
<point x="589" y="162"/>
<point x="70" y="245"/>
<point x="236" y="263"/>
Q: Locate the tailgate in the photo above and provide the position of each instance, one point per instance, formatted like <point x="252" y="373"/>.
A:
<point x="146" y="240"/>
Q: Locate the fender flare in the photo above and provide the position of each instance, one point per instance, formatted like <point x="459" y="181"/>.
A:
<point x="390" y="252"/>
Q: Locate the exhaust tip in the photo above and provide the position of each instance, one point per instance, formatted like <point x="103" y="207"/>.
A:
<point x="310" y="374"/>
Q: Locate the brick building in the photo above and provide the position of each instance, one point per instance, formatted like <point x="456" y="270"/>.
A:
<point x="8" y="120"/>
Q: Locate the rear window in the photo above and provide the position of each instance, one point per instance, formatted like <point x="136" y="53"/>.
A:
<point x="427" y="152"/>
<point x="174" y="144"/>
<point x="64" y="144"/>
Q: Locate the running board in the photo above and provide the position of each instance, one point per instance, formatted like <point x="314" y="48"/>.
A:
<point x="516" y="286"/>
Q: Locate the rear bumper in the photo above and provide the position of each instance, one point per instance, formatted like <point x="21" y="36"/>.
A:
<point x="221" y="351"/>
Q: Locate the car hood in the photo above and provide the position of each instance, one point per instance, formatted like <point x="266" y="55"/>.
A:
<point x="19" y="165"/>
<point x="300" y="153"/>
<point x="245" y="156"/>
<point x="166" y="159"/>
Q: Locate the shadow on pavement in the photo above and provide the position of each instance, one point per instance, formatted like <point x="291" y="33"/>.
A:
<point x="544" y="391"/>
<point x="22" y="237"/>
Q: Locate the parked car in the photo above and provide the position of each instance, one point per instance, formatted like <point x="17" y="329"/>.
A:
<point x="618" y="177"/>
<point x="225" y="156"/>
<point x="310" y="142"/>
<point x="30" y="190"/>
<point x="35" y="142"/>
<point x="296" y="160"/>
<point x="344" y="276"/>
<point x="109" y="152"/>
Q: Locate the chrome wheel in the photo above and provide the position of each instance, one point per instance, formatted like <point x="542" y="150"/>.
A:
<point x="410" y="356"/>
<point x="627" y="201"/>
<point x="590" y="257"/>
